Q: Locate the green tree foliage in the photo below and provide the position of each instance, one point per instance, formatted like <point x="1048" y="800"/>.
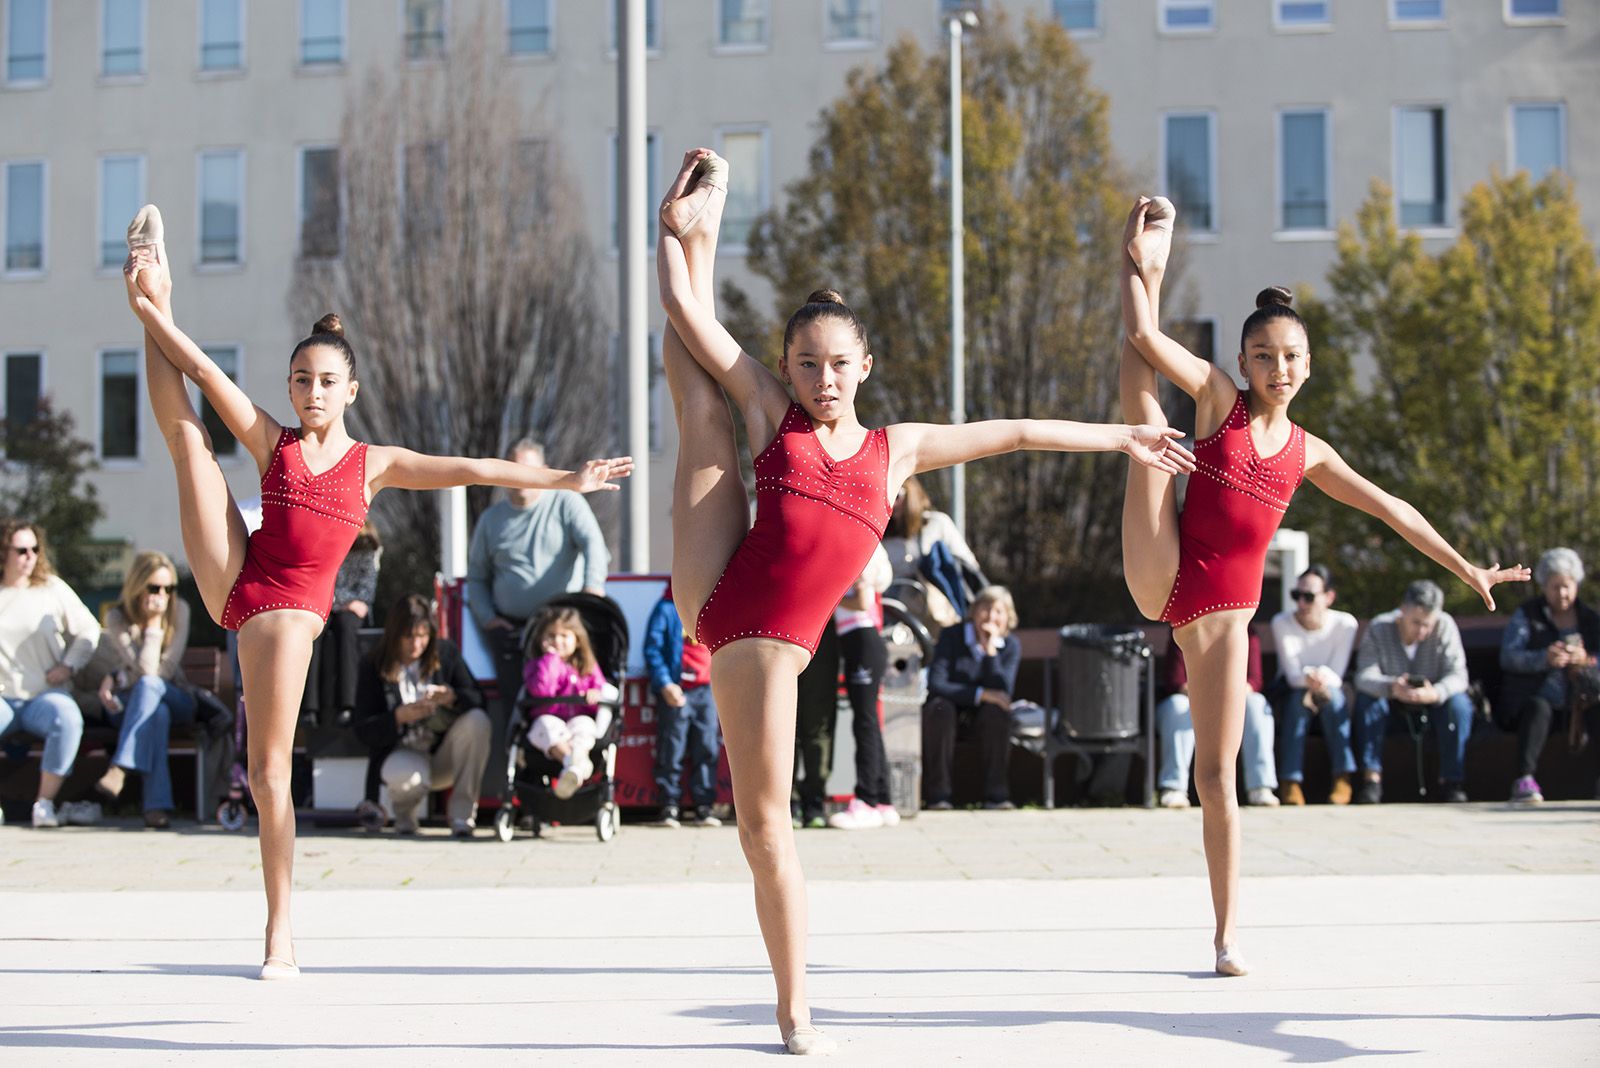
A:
<point x="1045" y="203"/>
<point x="41" y="479"/>
<point x="1484" y="401"/>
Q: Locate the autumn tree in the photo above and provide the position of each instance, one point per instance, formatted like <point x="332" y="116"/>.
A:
<point x="1045" y="203"/>
<point x="1482" y="406"/>
<point x="42" y="479"/>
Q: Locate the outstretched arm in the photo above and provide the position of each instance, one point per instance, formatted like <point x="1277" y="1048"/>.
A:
<point x="391" y="466"/>
<point x="920" y="447"/>
<point x="1142" y="268"/>
<point x="1328" y="472"/>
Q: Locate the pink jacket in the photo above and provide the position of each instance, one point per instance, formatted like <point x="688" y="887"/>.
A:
<point x="551" y="676"/>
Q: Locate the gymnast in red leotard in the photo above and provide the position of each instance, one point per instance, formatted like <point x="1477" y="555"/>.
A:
<point x="1201" y="571"/>
<point x="275" y="587"/>
<point x="761" y="595"/>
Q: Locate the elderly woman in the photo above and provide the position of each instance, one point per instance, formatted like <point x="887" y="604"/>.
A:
<point x="1549" y="641"/>
<point x="971" y="676"/>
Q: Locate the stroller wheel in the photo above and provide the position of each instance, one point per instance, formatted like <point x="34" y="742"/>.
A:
<point x="230" y="814"/>
<point x="607" y="821"/>
<point x="505" y="823"/>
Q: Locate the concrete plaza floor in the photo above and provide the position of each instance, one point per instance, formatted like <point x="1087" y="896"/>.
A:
<point x="1396" y="933"/>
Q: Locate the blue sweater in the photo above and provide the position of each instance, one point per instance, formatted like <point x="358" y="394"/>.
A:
<point x="663" y="645"/>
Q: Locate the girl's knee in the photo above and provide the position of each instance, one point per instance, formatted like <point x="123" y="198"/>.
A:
<point x="1213" y="781"/>
<point x="765" y="839"/>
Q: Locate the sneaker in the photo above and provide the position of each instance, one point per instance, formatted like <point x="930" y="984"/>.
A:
<point x="462" y="828"/>
<point x="44" y="814"/>
<point x="1453" y="793"/>
<point x="1173" y="799"/>
<point x="1341" y="791"/>
<point x="941" y="805"/>
<point x="405" y="821"/>
<point x="703" y="817"/>
<point x="999" y="806"/>
<point x="573" y="776"/>
<point x="890" y="814"/>
<point x="1292" y="794"/>
<point x="669" y="817"/>
<point x="1261" y="797"/>
<point x="1525" y="791"/>
<point x="79" y="813"/>
<point x="815" y="823"/>
<point x="371" y="816"/>
<point x="858" y="816"/>
<point x="1370" y="792"/>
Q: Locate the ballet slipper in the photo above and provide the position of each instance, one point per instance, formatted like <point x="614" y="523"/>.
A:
<point x="278" y="968"/>
<point x="146" y="231"/>
<point x="1151" y="247"/>
<point x="1160" y="214"/>
<point x="807" y="1041"/>
<point x="1229" y="962"/>
<point x="710" y="174"/>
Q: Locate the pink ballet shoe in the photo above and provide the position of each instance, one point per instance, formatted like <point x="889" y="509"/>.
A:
<point x="1229" y="962"/>
<point x="146" y="231"/>
<point x="807" y="1041"/>
<point x="277" y="968"/>
<point x="1160" y="214"/>
<point x="710" y="174"/>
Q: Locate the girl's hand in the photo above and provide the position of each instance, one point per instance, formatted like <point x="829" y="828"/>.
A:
<point x="1483" y="579"/>
<point x="598" y="474"/>
<point x="594" y="697"/>
<point x="1159" y="447"/>
<point x="146" y="276"/>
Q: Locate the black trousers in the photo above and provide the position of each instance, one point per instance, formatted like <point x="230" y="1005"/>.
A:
<point x="816" y="712"/>
<point x="1535" y="717"/>
<point x="331" y="678"/>
<point x="939" y="718"/>
<point x="865" y="659"/>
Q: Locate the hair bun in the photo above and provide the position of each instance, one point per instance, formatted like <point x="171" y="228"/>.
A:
<point x="1274" y="295"/>
<point x="826" y="296"/>
<point x="328" y="324"/>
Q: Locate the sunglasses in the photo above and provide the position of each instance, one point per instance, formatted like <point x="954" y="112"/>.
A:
<point x="1303" y="596"/>
<point x="25" y="550"/>
<point x="156" y="588"/>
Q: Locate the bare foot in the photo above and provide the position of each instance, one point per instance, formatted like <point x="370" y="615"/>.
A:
<point x="693" y="205"/>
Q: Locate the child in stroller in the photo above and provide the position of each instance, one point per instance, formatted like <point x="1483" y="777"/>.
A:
<point x="565" y="668"/>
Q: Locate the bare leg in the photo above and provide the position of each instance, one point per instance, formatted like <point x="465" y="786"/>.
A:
<point x="1150" y="503"/>
<point x="1215" y="648"/>
<point x="274" y="653"/>
<point x="753" y="681"/>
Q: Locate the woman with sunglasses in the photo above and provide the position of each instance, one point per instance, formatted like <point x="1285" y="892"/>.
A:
<point x="1201" y="571"/>
<point x="137" y="672"/>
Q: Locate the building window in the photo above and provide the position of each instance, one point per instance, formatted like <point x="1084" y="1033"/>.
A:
<point x="652" y="27"/>
<point x="121" y="196"/>
<point x="528" y="28"/>
<point x="25" y="215"/>
<point x="27" y="29"/>
<point x="1191" y="168"/>
<point x="1542" y="10"/>
<point x="119" y="405"/>
<point x="1305" y="157"/>
<point x="223" y="443"/>
<point x="1293" y="14"/>
<point x="741" y="23"/>
<point x="320" y="220"/>
<point x="746" y="153"/>
<point x="24" y="386"/>
<point x="652" y="168"/>
<point x="1188" y="16"/>
<point x="1416" y="10"/>
<point x="221" y="206"/>
<point x="1538" y="138"/>
<point x="1079" y="16"/>
<point x="1419" y="166"/>
<point x="424" y="29"/>
<point x="321" y="32"/>
<point x="121" y="37"/>
<point x="221" y="35"/>
<point x="853" y="22"/>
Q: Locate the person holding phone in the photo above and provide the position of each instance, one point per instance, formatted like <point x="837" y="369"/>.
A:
<point x="1411" y="660"/>
<point x="1314" y="644"/>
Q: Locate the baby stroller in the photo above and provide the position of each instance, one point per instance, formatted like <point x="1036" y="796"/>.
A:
<point x="530" y="776"/>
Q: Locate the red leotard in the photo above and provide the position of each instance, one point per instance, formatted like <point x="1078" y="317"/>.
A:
<point x="308" y="523"/>
<point x="1235" y="502"/>
<point x="817" y="521"/>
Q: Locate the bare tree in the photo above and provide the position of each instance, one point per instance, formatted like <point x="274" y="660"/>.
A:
<point x="464" y="280"/>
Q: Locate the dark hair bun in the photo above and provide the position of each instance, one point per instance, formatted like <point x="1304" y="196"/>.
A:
<point x="1274" y="295"/>
<point x="826" y="296"/>
<point x="328" y="324"/>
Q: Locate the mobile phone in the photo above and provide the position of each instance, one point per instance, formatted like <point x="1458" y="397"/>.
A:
<point x="1416" y="681"/>
<point x="1574" y="641"/>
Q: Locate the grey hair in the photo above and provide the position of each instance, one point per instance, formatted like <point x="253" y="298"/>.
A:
<point x="1558" y="561"/>
<point x="1425" y="595"/>
<point x="525" y="444"/>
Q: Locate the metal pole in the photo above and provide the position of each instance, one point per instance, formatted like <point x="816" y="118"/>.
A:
<point x="958" y="332"/>
<point x="634" y="323"/>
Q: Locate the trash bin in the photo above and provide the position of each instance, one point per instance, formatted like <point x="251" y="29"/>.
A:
<point x="901" y="697"/>
<point x="1099" y="669"/>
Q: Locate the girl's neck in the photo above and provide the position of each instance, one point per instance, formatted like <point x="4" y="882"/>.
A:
<point x="333" y="433"/>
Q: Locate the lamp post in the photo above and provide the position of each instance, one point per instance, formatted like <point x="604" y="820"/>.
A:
<point x="634" y="321"/>
<point x="957" y="23"/>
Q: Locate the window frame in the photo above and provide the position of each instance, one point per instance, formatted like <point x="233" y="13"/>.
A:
<point x="300" y="151"/>
<point x="1443" y="228"/>
<point x="27" y="273"/>
<point x="1399" y="22"/>
<point x="1166" y="7"/>
<point x="122" y="463"/>
<point x="550" y="18"/>
<point x="852" y="44"/>
<point x="125" y="77"/>
<point x="1211" y="233"/>
<point x="44" y="379"/>
<point x="5" y="75"/>
<point x="1511" y="18"/>
<point x="1280" y="26"/>
<point x="198" y="399"/>
<point x="201" y="264"/>
<point x="1097" y="30"/>
<point x="1560" y="107"/>
<point x="405" y="35"/>
<point x="300" y="63"/>
<point x="764" y="189"/>
<point x="724" y="48"/>
<point x="1327" y="231"/>
<point x="200" y="69"/>
<point x="101" y="268"/>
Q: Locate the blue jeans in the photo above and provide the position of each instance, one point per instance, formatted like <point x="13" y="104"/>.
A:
<point x="693" y="728"/>
<point x="1335" y="732"/>
<point x="1452" y="725"/>
<point x="51" y="715"/>
<point x="149" y="709"/>
<point x="1177" y="743"/>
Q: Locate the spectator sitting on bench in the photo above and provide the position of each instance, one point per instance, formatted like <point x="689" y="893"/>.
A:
<point x="46" y="635"/>
<point x="1547" y="652"/>
<point x="1411" y="659"/>
<point x="1314" y="646"/>
<point x="1177" y="733"/>
<point x="971" y="676"/>
<point x="137" y="679"/>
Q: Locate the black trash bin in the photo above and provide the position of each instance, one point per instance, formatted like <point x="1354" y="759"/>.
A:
<point x="1099" y="670"/>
